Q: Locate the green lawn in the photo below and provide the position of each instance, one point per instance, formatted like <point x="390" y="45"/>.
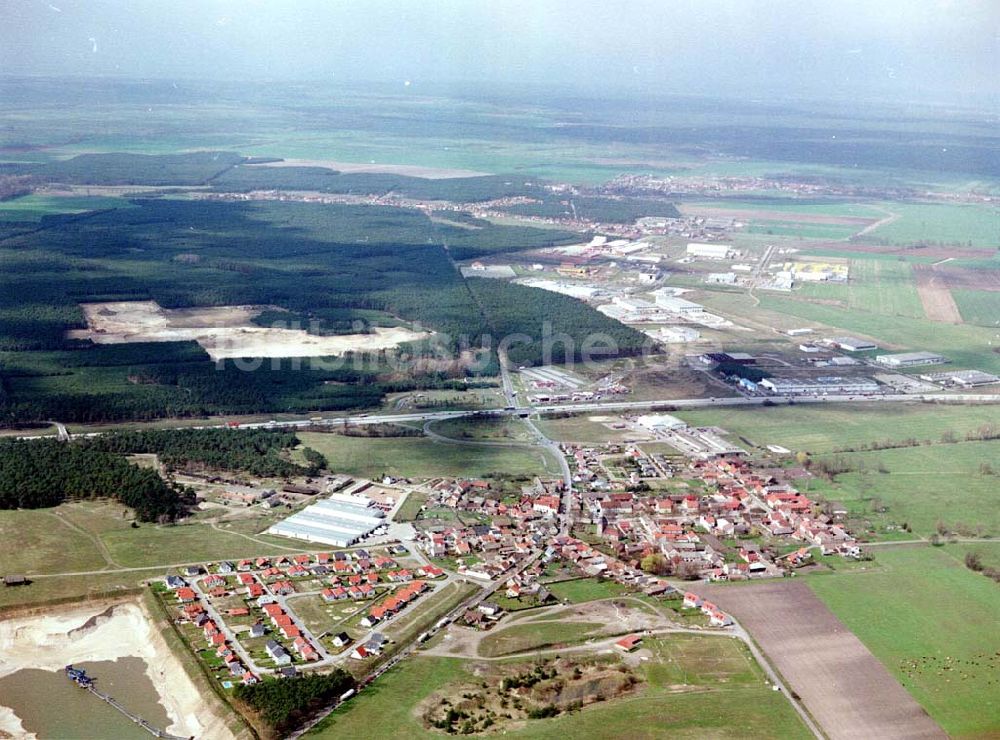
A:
<point x="418" y="457"/>
<point x="926" y="604"/>
<point x="725" y="698"/>
<point x="411" y="506"/>
<point x="585" y="589"/>
<point x="819" y="429"/>
<point x="540" y="635"/>
<point x="980" y="307"/>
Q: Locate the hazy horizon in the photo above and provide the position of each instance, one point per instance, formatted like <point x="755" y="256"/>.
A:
<point x="935" y="51"/>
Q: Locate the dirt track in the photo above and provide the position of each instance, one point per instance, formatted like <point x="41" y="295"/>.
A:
<point x="845" y="688"/>
<point x="938" y="303"/>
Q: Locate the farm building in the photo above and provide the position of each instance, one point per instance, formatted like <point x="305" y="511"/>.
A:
<point x="628" y="643"/>
<point x="339" y="520"/>
<point x="710" y="251"/>
<point x="911" y="359"/>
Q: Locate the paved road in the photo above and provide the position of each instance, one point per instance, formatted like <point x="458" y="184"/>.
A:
<point x="596" y="407"/>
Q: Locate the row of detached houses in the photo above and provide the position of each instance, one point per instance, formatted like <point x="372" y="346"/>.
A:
<point x="538" y="501"/>
<point x="285" y="623"/>
<point x="497" y="546"/>
<point x="194" y="611"/>
<point x="732" y="500"/>
<point x="595" y="563"/>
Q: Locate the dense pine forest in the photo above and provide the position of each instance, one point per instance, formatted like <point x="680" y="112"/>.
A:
<point x="259" y="452"/>
<point x="329" y="269"/>
<point x="46" y="472"/>
<point x="278" y="706"/>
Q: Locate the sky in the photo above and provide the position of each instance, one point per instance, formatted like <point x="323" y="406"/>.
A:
<point x="906" y="50"/>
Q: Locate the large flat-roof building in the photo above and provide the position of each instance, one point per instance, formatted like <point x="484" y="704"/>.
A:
<point x="911" y="359"/>
<point x="660" y="422"/>
<point x="710" y="251"/>
<point x="339" y="520"/>
<point x="963" y="378"/>
<point x="851" y="344"/>
<point x="677" y="305"/>
<point x="818" y="386"/>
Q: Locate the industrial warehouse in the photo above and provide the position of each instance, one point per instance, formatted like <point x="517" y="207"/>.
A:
<point x="339" y="520"/>
<point x="911" y="359"/>
<point x="819" y="386"/>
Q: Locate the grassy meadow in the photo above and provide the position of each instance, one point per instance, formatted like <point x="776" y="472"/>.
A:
<point x="692" y="687"/>
<point x="940" y="223"/>
<point x="418" y="457"/>
<point x="876" y="286"/>
<point x="980" y="307"/>
<point x="824" y="429"/>
<point x="922" y="487"/>
<point x="932" y="622"/>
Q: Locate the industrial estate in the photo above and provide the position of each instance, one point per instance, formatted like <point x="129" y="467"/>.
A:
<point x="336" y="411"/>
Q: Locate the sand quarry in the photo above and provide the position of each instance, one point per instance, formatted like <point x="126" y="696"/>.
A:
<point x="101" y="632"/>
<point x="224" y="331"/>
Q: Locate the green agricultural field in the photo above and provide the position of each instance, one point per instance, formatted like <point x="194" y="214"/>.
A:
<point x="791" y="206"/>
<point x="693" y="687"/>
<point x="921" y="486"/>
<point x="801" y="230"/>
<point x="485" y="428"/>
<point x="966" y="346"/>
<point x="980" y="307"/>
<point x="935" y="223"/>
<point x="31" y="208"/>
<point x="585" y="589"/>
<point x="819" y="429"/>
<point x="418" y="457"/>
<point x="579" y="429"/>
<point x="932" y="622"/>
<point x="876" y="286"/>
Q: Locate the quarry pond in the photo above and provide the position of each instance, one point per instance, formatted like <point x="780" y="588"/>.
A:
<point x="120" y="647"/>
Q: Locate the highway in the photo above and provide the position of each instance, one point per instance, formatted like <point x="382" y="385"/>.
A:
<point x="594" y="407"/>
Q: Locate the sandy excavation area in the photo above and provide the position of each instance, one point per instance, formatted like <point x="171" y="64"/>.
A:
<point x="100" y="632"/>
<point x="224" y="331"/>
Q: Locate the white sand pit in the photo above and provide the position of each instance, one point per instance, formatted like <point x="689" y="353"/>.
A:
<point x="224" y="331"/>
<point x="78" y="634"/>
